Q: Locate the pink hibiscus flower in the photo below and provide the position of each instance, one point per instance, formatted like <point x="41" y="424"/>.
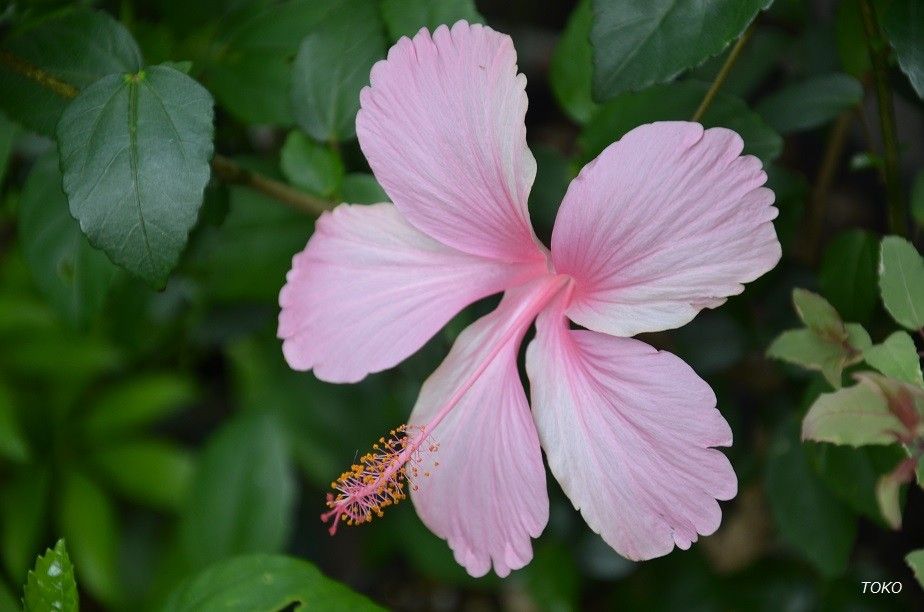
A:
<point x="667" y="221"/>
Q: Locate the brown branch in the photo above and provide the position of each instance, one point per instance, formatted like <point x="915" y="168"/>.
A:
<point x="723" y="72"/>
<point x="233" y="173"/>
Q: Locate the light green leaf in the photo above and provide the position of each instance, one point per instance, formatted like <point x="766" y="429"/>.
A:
<point x="23" y="518"/>
<point x="809" y="518"/>
<point x="73" y="276"/>
<point x="311" y="166"/>
<point x="135" y="151"/>
<point x="901" y="281"/>
<point x="51" y="584"/>
<point x="903" y="23"/>
<point x="856" y="416"/>
<point x="810" y="103"/>
<point x="848" y="274"/>
<point x="678" y="101"/>
<point x="571" y="66"/>
<point x="151" y="472"/>
<point x="87" y="520"/>
<point x="49" y="60"/>
<point x="251" y="75"/>
<point x="637" y="44"/>
<point x="818" y="315"/>
<point x="332" y="66"/>
<point x="362" y="188"/>
<point x="13" y="444"/>
<point x="897" y="357"/>
<point x="806" y="348"/>
<point x="243" y="493"/>
<point x="264" y="582"/>
<point x="915" y="561"/>
<point x="130" y="405"/>
<point x="888" y="490"/>
<point x="406" y="17"/>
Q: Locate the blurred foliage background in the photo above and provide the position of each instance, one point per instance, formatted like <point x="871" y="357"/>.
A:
<point x="146" y="413"/>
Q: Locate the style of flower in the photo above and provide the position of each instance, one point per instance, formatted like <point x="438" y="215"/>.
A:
<point x="669" y="220"/>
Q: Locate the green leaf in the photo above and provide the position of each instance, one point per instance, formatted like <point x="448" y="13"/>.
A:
<point x="901" y="281"/>
<point x="888" y="490"/>
<point x="756" y="62"/>
<point x="915" y="561"/>
<point x="857" y="416"/>
<point x="571" y="66"/>
<point x="264" y="582"/>
<point x="311" y="166"/>
<point x="135" y="151"/>
<point x="818" y="315"/>
<point x="23" y="516"/>
<point x="897" y="357"/>
<point x="250" y="77"/>
<point x="332" y="66"/>
<point x="243" y="493"/>
<point x="48" y="61"/>
<point x="132" y="404"/>
<point x="87" y="520"/>
<point x="406" y="17"/>
<point x="806" y="348"/>
<point x="678" y="101"/>
<point x="13" y="444"/>
<point x="640" y="44"/>
<point x="810" y="103"/>
<point x="362" y="188"/>
<point x="51" y="585"/>
<point x="8" y="601"/>
<point x="851" y="38"/>
<point x="903" y="23"/>
<point x="151" y="472"/>
<point x="808" y="517"/>
<point x="848" y="274"/>
<point x="73" y="276"/>
<point x="851" y="473"/>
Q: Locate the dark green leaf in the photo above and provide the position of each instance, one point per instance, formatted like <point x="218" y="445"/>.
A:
<point x="135" y="150"/>
<point x="552" y="577"/>
<point x="678" y="101"/>
<point x="311" y="166"/>
<point x="903" y="23"/>
<point x="87" y="520"/>
<point x="810" y="103"/>
<point x="130" y="405"/>
<point x="848" y="274"/>
<point x="48" y="61"/>
<point x="851" y="473"/>
<point x="242" y="494"/>
<point x="362" y="188"/>
<point x="151" y="472"/>
<point x="72" y="275"/>
<point x="808" y="517"/>
<point x="264" y="582"/>
<point x="8" y="133"/>
<point x="897" y="357"/>
<point x="406" y="17"/>
<point x="51" y="584"/>
<point x="637" y="44"/>
<point x="251" y="74"/>
<point x="571" y="66"/>
<point x="13" y="444"/>
<point x="23" y="516"/>
<point x="332" y="65"/>
<point x="553" y="175"/>
<point x="754" y="65"/>
<point x="917" y="199"/>
<point x="901" y="281"/>
<point x="851" y="38"/>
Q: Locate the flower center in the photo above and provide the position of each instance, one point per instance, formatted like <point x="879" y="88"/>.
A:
<point x="381" y="477"/>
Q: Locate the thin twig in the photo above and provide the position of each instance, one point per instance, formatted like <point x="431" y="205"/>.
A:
<point x="815" y="214"/>
<point x="233" y="173"/>
<point x="878" y="53"/>
<point x="723" y="72"/>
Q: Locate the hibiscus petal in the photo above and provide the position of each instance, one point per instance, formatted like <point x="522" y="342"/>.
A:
<point x="369" y="290"/>
<point x="626" y="430"/>
<point x="485" y="489"/>
<point x="667" y="221"/>
<point x="442" y="126"/>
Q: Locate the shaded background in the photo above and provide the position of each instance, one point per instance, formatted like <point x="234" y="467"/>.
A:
<point x="160" y="431"/>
